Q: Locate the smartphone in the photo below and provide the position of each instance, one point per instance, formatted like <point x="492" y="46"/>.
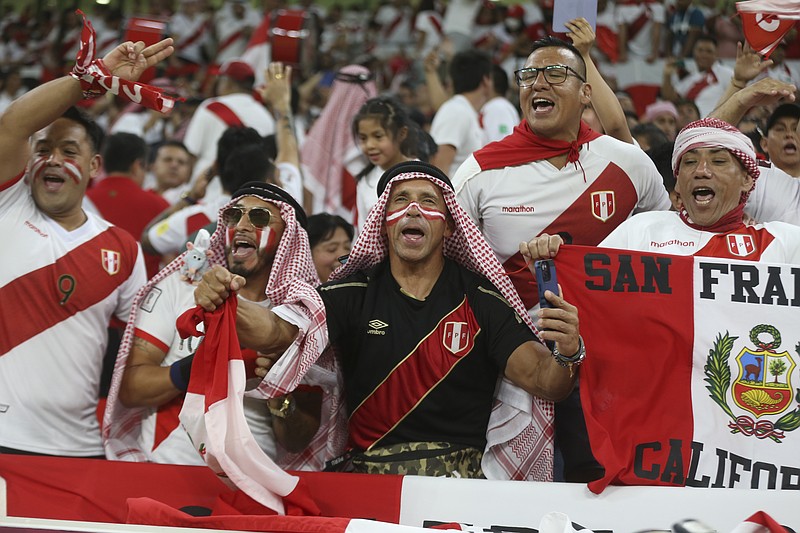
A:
<point x="545" y="279"/>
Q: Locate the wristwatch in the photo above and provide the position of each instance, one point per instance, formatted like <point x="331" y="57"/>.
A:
<point x="285" y="409"/>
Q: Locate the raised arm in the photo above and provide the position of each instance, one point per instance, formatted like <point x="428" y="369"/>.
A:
<point x="764" y="92"/>
<point x="604" y="101"/>
<point x="41" y="106"/>
<point x="749" y="64"/>
<point x="277" y="95"/>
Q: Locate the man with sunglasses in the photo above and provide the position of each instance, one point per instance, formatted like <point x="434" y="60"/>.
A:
<point x="424" y="326"/>
<point x="553" y="174"/>
<point x="151" y="377"/>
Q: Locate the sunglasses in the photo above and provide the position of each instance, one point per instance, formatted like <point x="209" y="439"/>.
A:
<point x="258" y="216"/>
<point x="553" y="74"/>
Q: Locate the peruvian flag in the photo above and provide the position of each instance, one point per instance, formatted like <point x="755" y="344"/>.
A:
<point x="258" y="52"/>
<point x="213" y="416"/>
<point x="765" y="22"/>
<point x="691" y="374"/>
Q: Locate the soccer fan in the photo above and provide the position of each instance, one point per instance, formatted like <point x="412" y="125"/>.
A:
<point x="66" y="271"/>
<point x="553" y="174"/>
<point x="154" y="364"/>
<point x="716" y="169"/>
<point x="780" y="140"/>
<point x="417" y="288"/>
<point x="705" y="83"/>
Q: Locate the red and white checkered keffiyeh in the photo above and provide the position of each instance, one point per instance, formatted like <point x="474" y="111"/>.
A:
<point x="520" y="431"/>
<point x="330" y="153"/>
<point x="716" y="133"/>
<point x="292" y="282"/>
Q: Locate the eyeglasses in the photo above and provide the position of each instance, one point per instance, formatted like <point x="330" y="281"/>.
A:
<point x="553" y="74"/>
<point x="258" y="216"/>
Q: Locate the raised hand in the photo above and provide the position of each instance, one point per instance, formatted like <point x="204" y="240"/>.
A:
<point x="582" y="35"/>
<point x="129" y="60"/>
<point x="749" y="64"/>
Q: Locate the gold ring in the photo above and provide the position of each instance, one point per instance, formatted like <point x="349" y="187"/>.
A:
<point x="278" y="76"/>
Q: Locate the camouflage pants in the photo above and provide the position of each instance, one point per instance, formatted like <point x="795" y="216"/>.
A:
<point x="421" y="459"/>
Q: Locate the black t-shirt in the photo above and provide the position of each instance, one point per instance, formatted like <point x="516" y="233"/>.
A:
<point x="374" y="326"/>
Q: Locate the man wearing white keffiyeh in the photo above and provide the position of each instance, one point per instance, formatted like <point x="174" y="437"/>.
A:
<point x="423" y="338"/>
<point x="260" y="236"/>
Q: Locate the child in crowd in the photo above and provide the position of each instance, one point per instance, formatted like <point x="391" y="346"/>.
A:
<point x="386" y="136"/>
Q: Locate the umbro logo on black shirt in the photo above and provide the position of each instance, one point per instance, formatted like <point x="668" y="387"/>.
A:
<point x="376" y="327"/>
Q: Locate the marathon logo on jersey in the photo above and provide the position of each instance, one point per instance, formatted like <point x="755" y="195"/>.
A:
<point x="111" y="261"/>
<point x="741" y="245"/>
<point x="456" y="337"/>
<point x="603" y="205"/>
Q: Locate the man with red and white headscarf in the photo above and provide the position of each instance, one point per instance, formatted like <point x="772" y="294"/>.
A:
<point x="330" y="153"/>
<point x="424" y="324"/>
<point x="716" y="169"/>
<point x="261" y="237"/>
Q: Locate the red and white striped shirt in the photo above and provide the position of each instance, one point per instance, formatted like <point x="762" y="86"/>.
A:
<point x="59" y="291"/>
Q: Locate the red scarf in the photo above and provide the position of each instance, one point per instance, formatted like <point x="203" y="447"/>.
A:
<point x="729" y="222"/>
<point x="524" y="146"/>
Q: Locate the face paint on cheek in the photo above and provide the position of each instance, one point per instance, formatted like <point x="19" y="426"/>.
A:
<point x="430" y="215"/>
<point x="266" y="240"/>
<point x="70" y="167"/>
<point x="37" y="167"/>
<point x="73" y="170"/>
<point x="229" y="233"/>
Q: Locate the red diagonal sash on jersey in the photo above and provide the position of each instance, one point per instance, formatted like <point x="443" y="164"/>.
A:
<point x="437" y="25"/>
<point x="578" y="216"/>
<point x="51" y="294"/>
<point x="232" y="38"/>
<point x="413" y="378"/>
<point x="225" y="114"/>
<point x="195" y="35"/>
<point x="393" y="26"/>
<point x="636" y="26"/>
<point x="707" y="80"/>
<point x="746" y="244"/>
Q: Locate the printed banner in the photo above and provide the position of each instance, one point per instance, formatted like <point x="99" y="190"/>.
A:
<point x="691" y="376"/>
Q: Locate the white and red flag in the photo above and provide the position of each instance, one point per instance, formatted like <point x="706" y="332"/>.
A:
<point x="213" y="416"/>
<point x="692" y="369"/>
<point x="765" y="22"/>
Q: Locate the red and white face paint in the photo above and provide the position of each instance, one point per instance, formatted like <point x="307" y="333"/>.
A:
<point x="69" y="167"/>
<point x="394" y="217"/>
<point x="265" y="237"/>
